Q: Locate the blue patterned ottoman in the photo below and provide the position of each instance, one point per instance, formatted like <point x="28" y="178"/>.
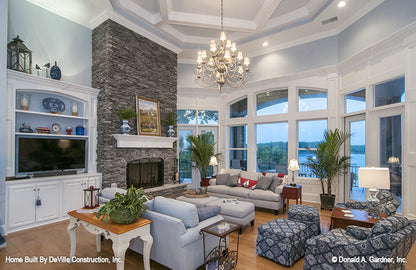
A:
<point x="282" y="240"/>
<point x="309" y="215"/>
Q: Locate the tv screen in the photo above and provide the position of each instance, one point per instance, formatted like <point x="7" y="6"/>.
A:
<point x="47" y="154"/>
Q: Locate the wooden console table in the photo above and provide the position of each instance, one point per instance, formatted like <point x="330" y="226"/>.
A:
<point x="339" y="220"/>
<point x="118" y="233"/>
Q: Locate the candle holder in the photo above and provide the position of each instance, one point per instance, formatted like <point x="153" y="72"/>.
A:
<point x="24" y="101"/>
<point x="74" y="107"/>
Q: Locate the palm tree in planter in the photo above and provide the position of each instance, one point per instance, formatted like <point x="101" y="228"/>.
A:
<point x="202" y="149"/>
<point x="327" y="163"/>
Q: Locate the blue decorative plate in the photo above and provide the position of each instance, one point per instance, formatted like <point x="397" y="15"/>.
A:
<point x="54" y="105"/>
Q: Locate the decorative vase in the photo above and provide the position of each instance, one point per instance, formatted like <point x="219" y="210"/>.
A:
<point x="171" y="132"/>
<point x="124" y="216"/>
<point x="125" y="128"/>
<point x="56" y="72"/>
<point x="327" y="201"/>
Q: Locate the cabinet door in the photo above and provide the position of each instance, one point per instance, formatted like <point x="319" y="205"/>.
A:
<point x="49" y="197"/>
<point x="73" y="195"/>
<point x="21" y="205"/>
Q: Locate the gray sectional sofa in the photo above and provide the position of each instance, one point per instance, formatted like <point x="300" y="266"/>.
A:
<point x="270" y="198"/>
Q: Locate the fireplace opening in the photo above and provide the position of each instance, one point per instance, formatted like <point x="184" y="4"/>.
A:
<point x="145" y="172"/>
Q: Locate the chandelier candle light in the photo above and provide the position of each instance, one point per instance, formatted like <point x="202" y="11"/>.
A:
<point x="224" y="64"/>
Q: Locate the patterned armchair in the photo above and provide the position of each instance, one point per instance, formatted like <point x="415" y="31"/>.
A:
<point x="388" y="203"/>
<point x="362" y="248"/>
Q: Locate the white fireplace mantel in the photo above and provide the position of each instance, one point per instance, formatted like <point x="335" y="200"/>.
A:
<point x="139" y="141"/>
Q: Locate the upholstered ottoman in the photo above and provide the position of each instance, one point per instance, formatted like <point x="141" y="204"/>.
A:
<point x="240" y="212"/>
<point x="309" y="215"/>
<point x="282" y="240"/>
<point x="199" y="202"/>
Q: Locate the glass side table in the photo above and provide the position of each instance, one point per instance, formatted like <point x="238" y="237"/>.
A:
<point x="220" y="257"/>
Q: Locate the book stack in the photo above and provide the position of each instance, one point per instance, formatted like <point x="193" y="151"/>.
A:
<point x="43" y="130"/>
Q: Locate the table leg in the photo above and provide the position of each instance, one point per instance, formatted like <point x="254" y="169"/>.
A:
<point x="120" y="245"/>
<point x="147" y="246"/>
<point x="72" y="227"/>
<point x="98" y="242"/>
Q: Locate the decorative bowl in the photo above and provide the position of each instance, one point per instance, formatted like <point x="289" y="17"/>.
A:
<point x="54" y="105"/>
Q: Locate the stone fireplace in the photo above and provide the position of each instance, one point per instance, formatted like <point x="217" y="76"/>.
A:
<point x="145" y="172"/>
<point x="126" y="65"/>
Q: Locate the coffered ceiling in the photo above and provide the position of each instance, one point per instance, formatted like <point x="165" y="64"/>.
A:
<point x="185" y="26"/>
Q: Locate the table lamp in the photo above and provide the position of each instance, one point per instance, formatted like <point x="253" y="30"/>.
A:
<point x="373" y="178"/>
<point x="214" y="162"/>
<point x="293" y="166"/>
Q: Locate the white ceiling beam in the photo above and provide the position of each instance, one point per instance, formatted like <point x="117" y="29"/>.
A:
<point x="140" y="12"/>
<point x="291" y="17"/>
<point x="164" y="7"/>
<point x="265" y="12"/>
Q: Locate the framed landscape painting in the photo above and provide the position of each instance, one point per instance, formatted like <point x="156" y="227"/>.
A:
<point x="148" y="116"/>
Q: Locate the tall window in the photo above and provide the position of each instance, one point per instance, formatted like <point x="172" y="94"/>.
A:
<point x="238" y="147"/>
<point x="309" y="134"/>
<point x="389" y="92"/>
<point x="272" y="142"/>
<point x="193" y="122"/>
<point x="355" y="101"/>
<point x="311" y="100"/>
<point x="239" y="109"/>
<point x="272" y="102"/>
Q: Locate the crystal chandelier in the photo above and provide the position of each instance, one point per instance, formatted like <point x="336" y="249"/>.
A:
<point x="224" y="64"/>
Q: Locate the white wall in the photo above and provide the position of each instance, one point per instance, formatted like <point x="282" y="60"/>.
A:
<point x="3" y="109"/>
<point x="52" y="38"/>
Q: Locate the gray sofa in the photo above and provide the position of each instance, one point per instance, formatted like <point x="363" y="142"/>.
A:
<point x="270" y="199"/>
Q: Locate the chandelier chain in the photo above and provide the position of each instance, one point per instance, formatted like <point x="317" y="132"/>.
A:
<point x="222" y="15"/>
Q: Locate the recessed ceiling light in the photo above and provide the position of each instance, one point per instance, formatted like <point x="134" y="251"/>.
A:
<point x="265" y="43"/>
<point x="341" y="4"/>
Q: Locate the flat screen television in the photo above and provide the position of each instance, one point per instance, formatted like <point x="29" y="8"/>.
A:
<point x="49" y="154"/>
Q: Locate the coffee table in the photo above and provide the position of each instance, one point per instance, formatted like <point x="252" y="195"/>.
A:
<point x="120" y="235"/>
<point x="361" y="218"/>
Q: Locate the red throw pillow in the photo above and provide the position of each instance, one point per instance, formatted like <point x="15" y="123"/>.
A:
<point x="250" y="184"/>
<point x="281" y="175"/>
<point x="263" y="173"/>
<point x="241" y="181"/>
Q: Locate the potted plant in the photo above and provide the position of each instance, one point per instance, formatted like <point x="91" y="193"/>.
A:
<point x="327" y="163"/>
<point x="202" y="149"/>
<point x="170" y="121"/>
<point x="125" y="115"/>
<point x="124" y="208"/>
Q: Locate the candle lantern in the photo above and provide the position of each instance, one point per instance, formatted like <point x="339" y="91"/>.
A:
<point x="19" y="57"/>
<point x="91" y="197"/>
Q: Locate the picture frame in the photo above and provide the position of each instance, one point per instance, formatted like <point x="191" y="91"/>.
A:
<point x="148" y="116"/>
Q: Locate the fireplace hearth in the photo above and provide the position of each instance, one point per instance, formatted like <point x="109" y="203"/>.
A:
<point x="145" y="172"/>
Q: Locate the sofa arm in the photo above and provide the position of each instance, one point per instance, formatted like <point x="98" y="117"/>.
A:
<point x="193" y="234"/>
<point x="279" y="189"/>
<point x="213" y="182"/>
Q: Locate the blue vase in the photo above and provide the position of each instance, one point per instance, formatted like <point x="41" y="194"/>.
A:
<point x="171" y="132"/>
<point x="125" y="128"/>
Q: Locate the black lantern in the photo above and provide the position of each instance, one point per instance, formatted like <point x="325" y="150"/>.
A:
<point x="91" y="199"/>
<point x="19" y="57"/>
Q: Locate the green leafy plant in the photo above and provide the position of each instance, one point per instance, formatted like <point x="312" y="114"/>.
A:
<point x="202" y="149"/>
<point x="171" y="120"/>
<point x="126" y="114"/>
<point x="125" y="205"/>
<point x="326" y="162"/>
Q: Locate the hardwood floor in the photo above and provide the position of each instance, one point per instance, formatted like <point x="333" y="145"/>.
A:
<point x="53" y="240"/>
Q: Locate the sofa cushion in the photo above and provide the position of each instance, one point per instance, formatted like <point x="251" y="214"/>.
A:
<point x="233" y="181"/>
<point x="264" y="183"/>
<point x="222" y="179"/>
<point x="221" y="189"/>
<point x="207" y="212"/>
<point x="359" y="233"/>
<point x="264" y="195"/>
<point x="110" y="193"/>
<point x="231" y="171"/>
<point x="250" y="175"/>
<point x="239" y="191"/>
<point x="275" y="183"/>
<point x="389" y="225"/>
<point x="185" y="211"/>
